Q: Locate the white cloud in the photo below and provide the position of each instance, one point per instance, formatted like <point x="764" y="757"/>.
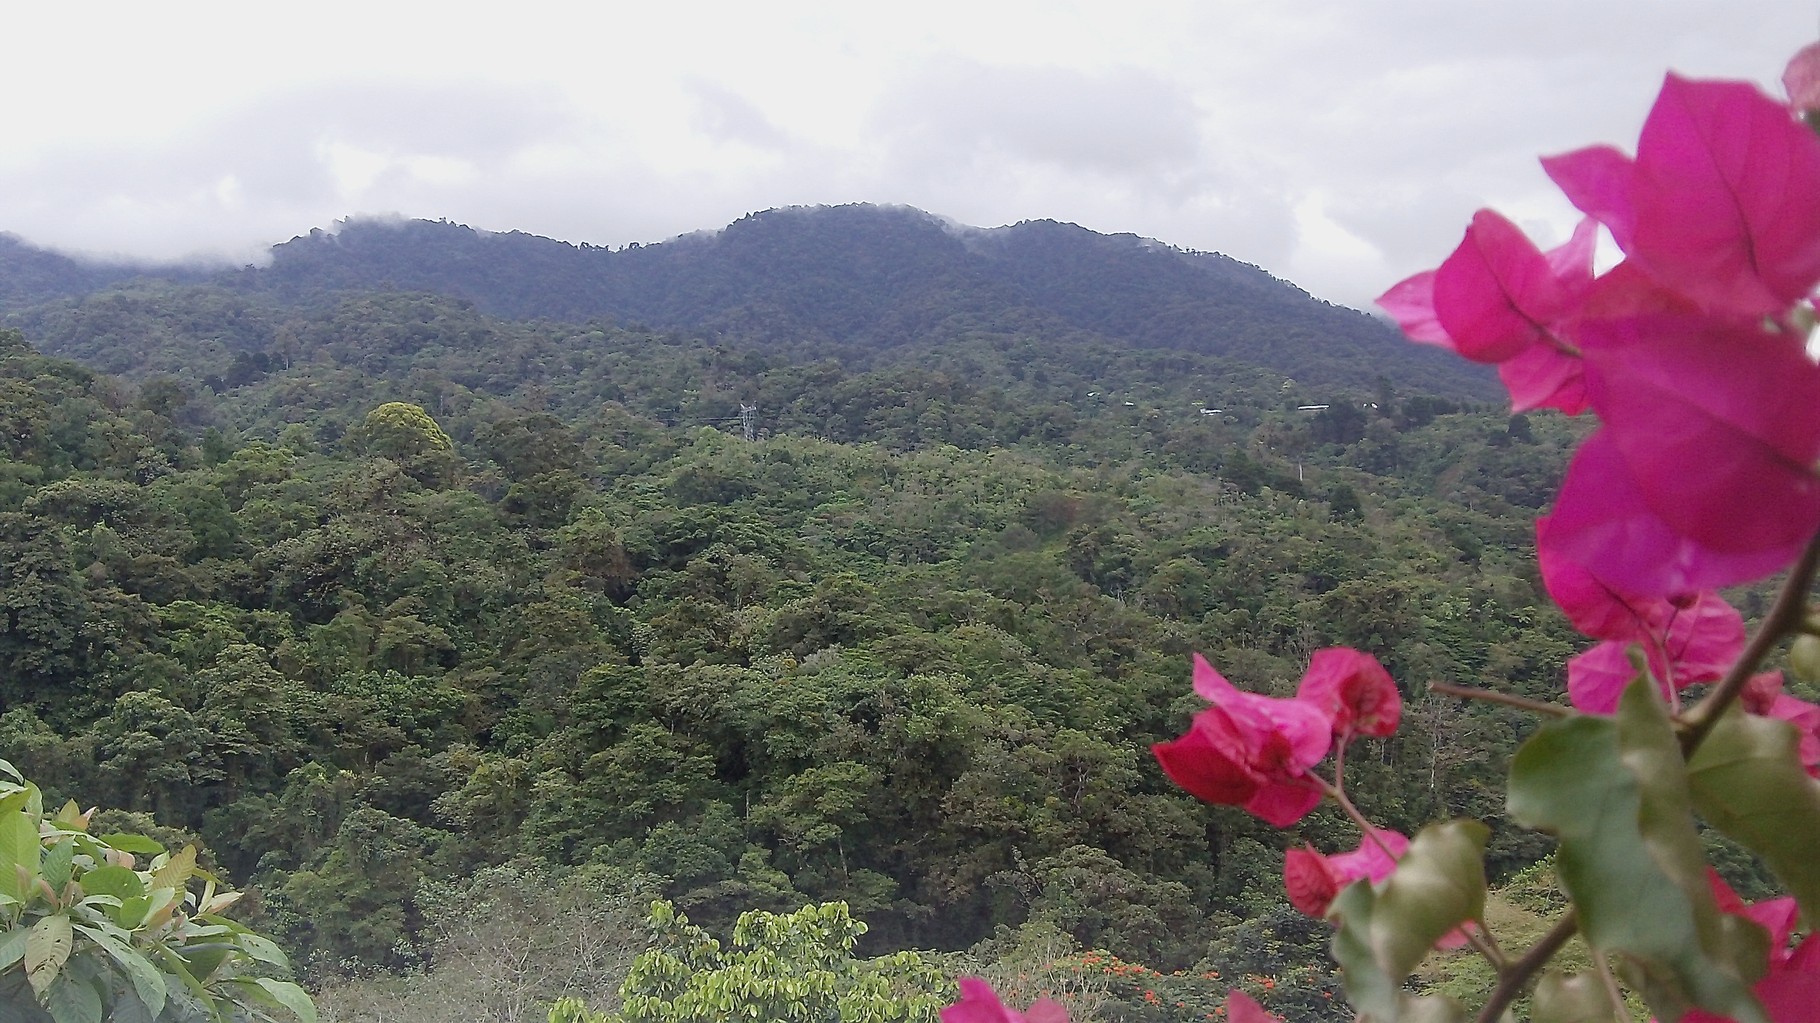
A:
<point x="1341" y="143"/>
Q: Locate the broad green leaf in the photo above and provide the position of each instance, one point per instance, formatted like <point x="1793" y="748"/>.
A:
<point x="73" y="1001"/>
<point x="118" y="882"/>
<point x="174" y="965"/>
<point x="1614" y="792"/>
<point x="147" y="982"/>
<point x="19" y="851"/>
<point x="176" y="871"/>
<point x="1386" y="930"/>
<point x="1747" y="781"/>
<point x="15" y="800"/>
<point x="263" y="949"/>
<point x="133" y="911"/>
<point x="135" y="844"/>
<point x="12" y="772"/>
<point x="1579" y="998"/>
<point x="57" y="865"/>
<point x="290" y="996"/>
<point x="12" y="949"/>
<point x="47" y="948"/>
<point x="70" y="817"/>
<point x="129" y="1009"/>
<point x="204" y="960"/>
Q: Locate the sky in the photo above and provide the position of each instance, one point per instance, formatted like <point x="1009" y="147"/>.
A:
<point x="1339" y="144"/>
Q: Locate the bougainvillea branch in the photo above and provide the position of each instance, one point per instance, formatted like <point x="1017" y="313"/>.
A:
<point x="1787" y="617"/>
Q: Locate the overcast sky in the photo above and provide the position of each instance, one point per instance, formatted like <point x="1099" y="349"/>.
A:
<point x="1340" y="144"/>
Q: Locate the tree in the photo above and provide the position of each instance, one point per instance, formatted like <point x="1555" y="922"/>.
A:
<point x="406" y="434"/>
<point x="788" y="968"/>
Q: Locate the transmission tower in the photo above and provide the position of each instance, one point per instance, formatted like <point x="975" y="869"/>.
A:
<point x="748" y="419"/>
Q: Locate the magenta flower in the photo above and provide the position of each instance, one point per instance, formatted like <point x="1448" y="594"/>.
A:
<point x="1354" y="690"/>
<point x="980" y="1004"/>
<point x="1314" y="880"/>
<point x="1763" y="696"/>
<point x="1721" y="204"/>
<point x="1790" y="988"/>
<point x="1249" y="750"/>
<point x="1685" y="641"/>
<point x="1718" y="422"/>
<point x="1499" y="299"/>
<point x="1242" y="1008"/>
<point x="1602" y="517"/>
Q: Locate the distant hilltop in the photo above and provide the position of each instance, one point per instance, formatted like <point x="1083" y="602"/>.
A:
<point x="861" y="276"/>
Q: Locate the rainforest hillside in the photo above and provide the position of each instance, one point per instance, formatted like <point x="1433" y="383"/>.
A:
<point x="406" y="609"/>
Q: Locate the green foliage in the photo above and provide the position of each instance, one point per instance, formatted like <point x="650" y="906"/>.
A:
<point x="1615" y="792"/>
<point x="87" y="935"/>
<point x="1386" y="930"/>
<point x="406" y="434"/>
<point x="1747" y="781"/>
<point x="850" y="661"/>
<point x="795" y="967"/>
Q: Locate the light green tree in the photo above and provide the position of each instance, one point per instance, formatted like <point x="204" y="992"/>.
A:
<point x="406" y="434"/>
<point x="789" y="968"/>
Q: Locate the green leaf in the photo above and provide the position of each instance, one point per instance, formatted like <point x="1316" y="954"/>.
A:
<point x="147" y="982"/>
<point x="57" y="864"/>
<point x="176" y="871"/>
<point x="118" y="882"/>
<point x="46" y="950"/>
<point x="19" y="851"/>
<point x="13" y="948"/>
<point x="290" y="996"/>
<point x="1386" y="930"/>
<point x="1614" y="791"/>
<point x="69" y="817"/>
<point x="263" y="949"/>
<point x="1576" y="998"/>
<point x="12" y="772"/>
<point x="129" y="1009"/>
<point x="135" y="844"/>
<point x="73" y="1001"/>
<point x="16" y="800"/>
<point x="203" y="960"/>
<point x="1748" y="782"/>
<point x="133" y="911"/>
<point x="174" y="965"/>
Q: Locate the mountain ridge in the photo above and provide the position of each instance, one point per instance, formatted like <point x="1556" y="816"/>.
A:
<point x="863" y="278"/>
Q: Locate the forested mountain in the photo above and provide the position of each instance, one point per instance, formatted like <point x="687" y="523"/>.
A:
<point x="863" y="278"/>
<point x="409" y="609"/>
<point x="29" y="274"/>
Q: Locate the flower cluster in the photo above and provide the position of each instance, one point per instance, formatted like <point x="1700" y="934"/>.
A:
<point x="1790" y="988"/>
<point x="1690" y="351"/>
<point x="1258" y="751"/>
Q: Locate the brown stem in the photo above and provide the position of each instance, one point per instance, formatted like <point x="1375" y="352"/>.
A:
<point x="1492" y="696"/>
<point x="1619" y="1009"/>
<point x="1515" y="977"/>
<point x="1786" y="617"/>
<point x="1338" y="795"/>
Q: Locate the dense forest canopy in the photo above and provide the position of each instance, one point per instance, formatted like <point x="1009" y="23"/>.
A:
<point x="377" y="593"/>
